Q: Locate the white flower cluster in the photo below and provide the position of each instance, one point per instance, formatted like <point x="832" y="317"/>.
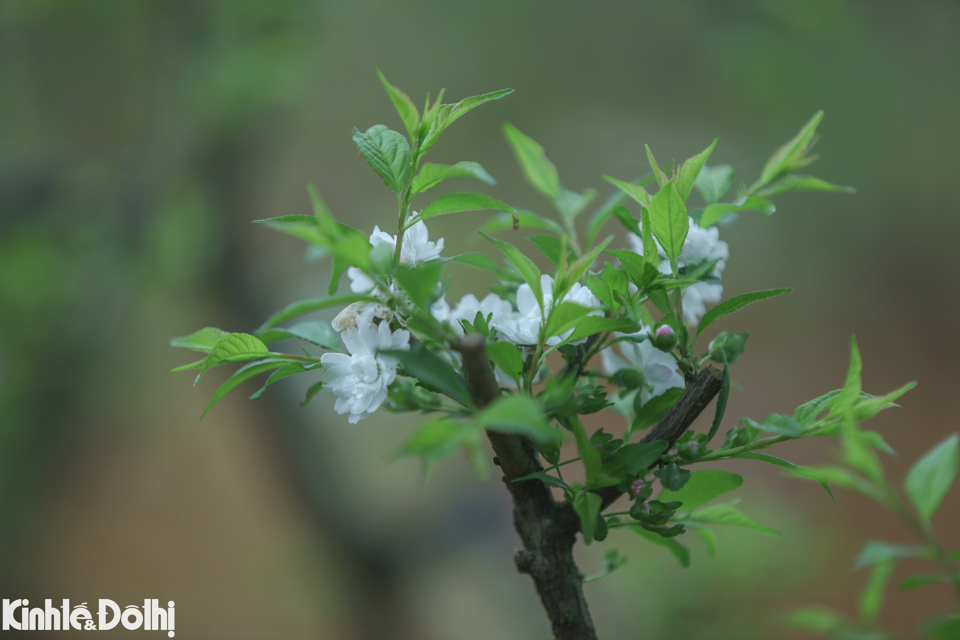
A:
<point x="701" y="245"/>
<point x="658" y="370"/>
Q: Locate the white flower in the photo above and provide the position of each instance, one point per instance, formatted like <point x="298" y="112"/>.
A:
<point x="358" y="313"/>
<point x="468" y="308"/>
<point x="658" y="369"/>
<point x="523" y="325"/>
<point x="701" y="245"/>
<point x="416" y="248"/>
<point x="360" y="380"/>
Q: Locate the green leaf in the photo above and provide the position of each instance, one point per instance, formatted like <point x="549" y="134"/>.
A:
<point x="802" y="183"/>
<point x="420" y="282"/>
<point x="284" y="372"/>
<point x="311" y="392"/>
<point x="792" y="155"/>
<point x="923" y="579"/>
<point x="563" y="317"/>
<point x="405" y="107"/>
<point x="655" y="409"/>
<point x="612" y="560"/>
<point x="245" y="372"/>
<point x="631" y="460"/>
<point x="431" y="175"/>
<point x="437" y="440"/>
<point x="296" y="217"/>
<point x="657" y="173"/>
<point x="301" y="307"/>
<point x="726" y="514"/>
<point x="931" y="476"/>
<point x="553" y="248"/>
<point x="602" y="214"/>
<point x="852" y="386"/>
<point x="721" y="402"/>
<point x="673" y="478"/>
<point x="587" y="505"/>
<point x="433" y="372"/>
<point x="202" y="340"/>
<point x="589" y="454"/>
<point x="550" y="481"/>
<point x="804" y="472"/>
<point x="539" y="171"/>
<point x="651" y="254"/>
<point x="474" y="259"/>
<point x="871" y="598"/>
<point x="592" y="325"/>
<point x="715" y="212"/>
<point x="868" y="406"/>
<point x="507" y="357"/>
<point x="529" y="271"/>
<point x="808" y="413"/>
<point x="668" y="219"/>
<point x="733" y="304"/>
<point x="522" y="220"/>
<point x="689" y="171"/>
<point x="815" y="620"/>
<point x="575" y="270"/>
<point x="388" y="153"/>
<point x="727" y="347"/>
<point x="635" y="191"/>
<point x="456" y="202"/>
<point x="443" y="115"/>
<point x="713" y="183"/>
<point x="877" y="551"/>
<point x="521" y="415"/>
<point x="234" y="347"/>
<point x="678" y="550"/>
<point x="570" y="204"/>
<point x="945" y="628"/>
<point x="316" y="332"/>
<point x="702" y="488"/>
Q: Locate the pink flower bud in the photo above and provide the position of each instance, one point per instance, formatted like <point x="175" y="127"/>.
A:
<point x="637" y="487"/>
<point x="666" y="332"/>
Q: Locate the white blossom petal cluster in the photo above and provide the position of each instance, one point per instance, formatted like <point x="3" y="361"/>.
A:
<point x="416" y="248"/>
<point x="657" y="368"/>
<point x="492" y="307"/>
<point x="522" y="326"/>
<point x="701" y="245"/>
<point x="360" y="380"/>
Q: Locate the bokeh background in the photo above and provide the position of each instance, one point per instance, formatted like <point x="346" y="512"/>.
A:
<point x="139" y="139"/>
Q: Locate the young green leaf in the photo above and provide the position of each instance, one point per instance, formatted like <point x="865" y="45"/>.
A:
<point x="570" y="204"/>
<point x="702" y="488"/>
<point x="441" y="116"/>
<point x="203" y="340"/>
<point x="388" y="153"/>
<point x="678" y="550"/>
<point x="437" y="440"/>
<point x="721" y="401"/>
<point x="631" y="460"/>
<point x="589" y="454"/>
<point x="802" y="183"/>
<point x="673" y="478"/>
<point x="522" y="220"/>
<point x="456" y="202"/>
<point x="519" y="414"/>
<point x="587" y="505"/>
<point x="311" y="393"/>
<point x="635" y="191"/>
<point x="507" y="357"/>
<point x="713" y="183"/>
<point x="654" y="409"/>
<point x="661" y="177"/>
<point x="316" y="332"/>
<point x="550" y="481"/>
<point x="922" y="579"/>
<point x="474" y="259"/>
<point x="733" y="304"/>
<point x="816" y="620"/>
<point x="819" y="475"/>
<point x="553" y="248"/>
<point x="563" y="317"/>
<point x="245" y="372"/>
<point x="405" y="107"/>
<point x="234" y="347"/>
<point x="420" y="282"/>
<point x="592" y="325"/>
<point x="931" y="476"/>
<point x="539" y="171"/>
<point x="284" y="372"/>
<point x="433" y="372"/>
<point x="726" y="514"/>
<point x="851" y="387"/>
<point x="871" y="598"/>
<point x="601" y="215"/>
<point x="714" y="212"/>
<point x="689" y="171"/>
<point x="792" y="155"/>
<point x="430" y="175"/>
<point x="529" y="271"/>
<point x="668" y="219"/>
<point x="877" y="551"/>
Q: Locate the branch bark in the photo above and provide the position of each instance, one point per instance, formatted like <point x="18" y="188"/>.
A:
<point x="548" y="529"/>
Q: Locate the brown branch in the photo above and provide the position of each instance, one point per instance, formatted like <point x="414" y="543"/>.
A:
<point x="548" y="530"/>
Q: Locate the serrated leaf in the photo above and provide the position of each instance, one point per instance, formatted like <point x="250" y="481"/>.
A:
<point x="715" y="212"/>
<point x="668" y="219"/>
<point x="442" y="116"/>
<point x="678" y="550"/>
<point x="657" y="173"/>
<point x="587" y="505"/>
<point x="803" y="472"/>
<point x="930" y="477"/>
<point x="733" y="304"/>
<point x="802" y="183"/>
<point x="316" y="332"/>
<point x="654" y="409"/>
<point x="202" y="340"/>
<point x="563" y="317"/>
<point x="702" y="488"/>
<point x="430" y="175"/>
<point x="521" y="415"/>
<point x="457" y="202"/>
<point x="725" y="514"/>
<point x="283" y="372"/>
<point x="529" y="271"/>
<point x="405" y="107"/>
<point x="791" y="155"/>
<point x="234" y="347"/>
<point x="539" y="171"/>
<point x="689" y="171"/>
<point x="301" y="307"/>
<point x="635" y="191"/>
<point x="713" y="183"/>
<point x="388" y="153"/>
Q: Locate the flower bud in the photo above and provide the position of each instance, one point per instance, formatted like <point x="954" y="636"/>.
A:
<point x="641" y="489"/>
<point x="689" y="450"/>
<point x="665" y="338"/>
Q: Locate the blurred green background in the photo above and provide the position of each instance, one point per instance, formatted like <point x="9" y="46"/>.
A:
<point x="138" y="140"/>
